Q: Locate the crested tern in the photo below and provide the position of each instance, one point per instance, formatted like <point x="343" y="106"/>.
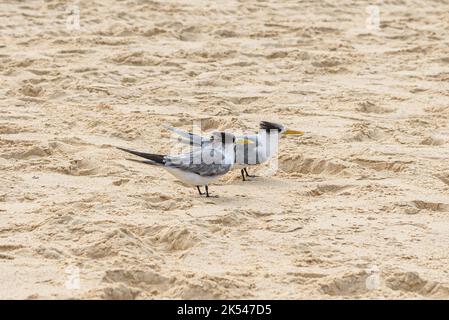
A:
<point x="202" y="165"/>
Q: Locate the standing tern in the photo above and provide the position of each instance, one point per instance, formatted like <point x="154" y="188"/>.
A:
<point x="201" y="166"/>
<point x="264" y="144"/>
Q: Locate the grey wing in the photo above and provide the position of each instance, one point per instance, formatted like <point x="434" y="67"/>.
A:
<point x="193" y="162"/>
<point x="190" y="138"/>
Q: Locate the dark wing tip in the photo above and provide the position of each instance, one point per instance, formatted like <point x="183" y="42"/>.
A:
<point x="157" y="158"/>
<point x="141" y="161"/>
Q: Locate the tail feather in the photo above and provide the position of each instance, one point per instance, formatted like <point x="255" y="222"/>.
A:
<point x="142" y="161"/>
<point x="155" y="158"/>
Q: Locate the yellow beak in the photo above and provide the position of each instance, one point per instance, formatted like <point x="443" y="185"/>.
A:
<point x="244" y="141"/>
<point x="293" y="132"/>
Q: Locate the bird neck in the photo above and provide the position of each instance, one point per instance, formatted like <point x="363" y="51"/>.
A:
<point x="268" y="134"/>
<point x="268" y="142"/>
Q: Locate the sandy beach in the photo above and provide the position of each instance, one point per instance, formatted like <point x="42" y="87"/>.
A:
<point x="357" y="208"/>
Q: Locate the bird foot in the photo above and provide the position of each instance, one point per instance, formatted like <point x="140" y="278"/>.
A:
<point x="244" y="171"/>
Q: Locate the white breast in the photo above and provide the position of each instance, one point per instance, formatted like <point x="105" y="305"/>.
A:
<point x="262" y="151"/>
<point x="191" y="178"/>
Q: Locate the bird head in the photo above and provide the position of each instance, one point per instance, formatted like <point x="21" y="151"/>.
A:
<point x="279" y="129"/>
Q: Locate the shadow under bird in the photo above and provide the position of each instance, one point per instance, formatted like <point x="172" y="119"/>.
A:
<point x="202" y="165"/>
<point x="264" y="144"/>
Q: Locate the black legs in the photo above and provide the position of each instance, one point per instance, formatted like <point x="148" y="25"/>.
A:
<point x="243" y="172"/>
<point x="202" y="193"/>
<point x="249" y="175"/>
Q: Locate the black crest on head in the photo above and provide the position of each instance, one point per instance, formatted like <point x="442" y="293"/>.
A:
<point x="265" y="125"/>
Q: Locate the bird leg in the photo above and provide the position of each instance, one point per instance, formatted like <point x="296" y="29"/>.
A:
<point x="243" y="174"/>
<point x="199" y="190"/>
<point x="248" y="175"/>
<point x="207" y="192"/>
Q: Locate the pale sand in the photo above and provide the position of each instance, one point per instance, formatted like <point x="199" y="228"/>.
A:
<point x="364" y="191"/>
